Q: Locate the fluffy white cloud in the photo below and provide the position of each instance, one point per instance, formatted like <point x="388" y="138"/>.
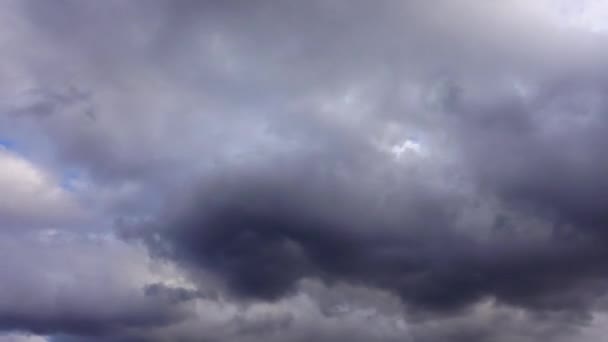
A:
<point x="32" y="197"/>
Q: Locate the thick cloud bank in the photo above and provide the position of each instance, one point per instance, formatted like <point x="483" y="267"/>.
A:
<point x="414" y="171"/>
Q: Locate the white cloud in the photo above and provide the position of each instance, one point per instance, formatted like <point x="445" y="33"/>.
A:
<point x="407" y="146"/>
<point x="32" y="197"/>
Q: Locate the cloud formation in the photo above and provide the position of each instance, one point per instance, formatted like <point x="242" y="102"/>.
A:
<point x="286" y="171"/>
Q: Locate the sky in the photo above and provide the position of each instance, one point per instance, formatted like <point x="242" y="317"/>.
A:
<point x="327" y="170"/>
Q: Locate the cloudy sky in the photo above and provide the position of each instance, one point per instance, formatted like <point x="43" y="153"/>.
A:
<point x="290" y="170"/>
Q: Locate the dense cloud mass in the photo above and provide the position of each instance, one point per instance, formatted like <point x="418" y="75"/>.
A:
<point x="326" y="170"/>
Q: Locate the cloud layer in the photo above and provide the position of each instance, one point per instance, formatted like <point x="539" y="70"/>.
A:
<point x="286" y="171"/>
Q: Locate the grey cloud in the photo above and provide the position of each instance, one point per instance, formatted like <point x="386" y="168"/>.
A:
<point x="55" y="285"/>
<point x="543" y="156"/>
<point x="250" y="143"/>
<point x="485" y="322"/>
<point x="263" y="235"/>
<point x="174" y="294"/>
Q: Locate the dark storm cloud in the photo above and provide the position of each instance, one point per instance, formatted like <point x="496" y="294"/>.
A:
<point x="265" y="232"/>
<point x="262" y="235"/>
<point x="263" y="131"/>
<point x="545" y="156"/>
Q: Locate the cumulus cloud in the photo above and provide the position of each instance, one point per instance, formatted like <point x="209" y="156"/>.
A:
<point x="33" y="197"/>
<point x="285" y="171"/>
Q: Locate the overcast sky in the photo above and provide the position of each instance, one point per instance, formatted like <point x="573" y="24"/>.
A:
<point x="303" y="170"/>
